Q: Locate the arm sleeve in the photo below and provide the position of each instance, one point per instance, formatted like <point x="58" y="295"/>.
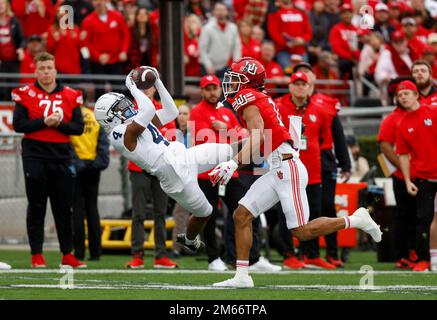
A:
<point x="75" y="127"/>
<point x="22" y="123"/>
<point x="340" y="145"/>
<point x="146" y="109"/>
<point x="169" y="111"/>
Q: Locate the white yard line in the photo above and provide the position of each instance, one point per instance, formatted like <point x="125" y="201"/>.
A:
<point x="188" y="271"/>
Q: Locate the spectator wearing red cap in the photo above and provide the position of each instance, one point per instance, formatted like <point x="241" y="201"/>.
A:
<point x="192" y="29"/>
<point x="422" y="73"/>
<point x="141" y="41"/>
<point x="344" y="42"/>
<point x="34" y="15"/>
<point x="65" y="43"/>
<point x="382" y="21"/>
<point x="290" y="30"/>
<point x="396" y="60"/>
<point x="219" y="42"/>
<point x="274" y="74"/>
<point x="316" y="128"/>
<point x="215" y="123"/>
<point x="404" y="218"/>
<point x="107" y="38"/>
<point x="250" y="47"/>
<point x="417" y="134"/>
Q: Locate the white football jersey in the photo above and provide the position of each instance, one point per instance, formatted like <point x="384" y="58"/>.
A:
<point x="150" y="146"/>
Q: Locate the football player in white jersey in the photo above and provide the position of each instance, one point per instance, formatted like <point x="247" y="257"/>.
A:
<point x="135" y="134"/>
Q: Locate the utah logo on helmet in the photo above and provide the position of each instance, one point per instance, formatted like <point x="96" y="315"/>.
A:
<point x="244" y="73"/>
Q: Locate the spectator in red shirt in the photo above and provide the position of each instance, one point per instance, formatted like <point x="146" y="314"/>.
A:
<point x="141" y="40"/>
<point x="422" y="73"/>
<point x="316" y="127"/>
<point x="290" y="30"/>
<point x="415" y="39"/>
<point x="344" y="42"/>
<point x="65" y="44"/>
<point x="33" y="47"/>
<point x="12" y="45"/>
<point x="35" y="15"/>
<point x="249" y="46"/>
<point x="107" y="38"/>
<point x="417" y="136"/>
<point x="192" y="29"/>
<point x="274" y="73"/>
<point x="405" y="214"/>
<point x="252" y="11"/>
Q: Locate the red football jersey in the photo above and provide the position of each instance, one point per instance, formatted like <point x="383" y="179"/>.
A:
<point x="417" y="135"/>
<point x="316" y="129"/>
<point x="41" y="104"/>
<point x="273" y="125"/>
<point x="331" y="107"/>
<point x="387" y="133"/>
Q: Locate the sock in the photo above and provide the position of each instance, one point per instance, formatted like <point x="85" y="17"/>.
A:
<point x="242" y="268"/>
<point x="433" y="254"/>
<point x="347" y="222"/>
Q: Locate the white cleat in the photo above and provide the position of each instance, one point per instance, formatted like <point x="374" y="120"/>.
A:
<point x="236" y="282"/>
<point x="433" y="267"/>
<point x="4" y="266"/>
<point x="367" y="224"/>
<point x="264" y="265"/>
<point x="217" y="265"/>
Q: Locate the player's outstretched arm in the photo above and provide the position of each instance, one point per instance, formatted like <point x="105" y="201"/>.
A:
<point x="169" y="111"/>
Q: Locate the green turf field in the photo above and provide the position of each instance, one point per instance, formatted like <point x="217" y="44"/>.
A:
<point x="108" y="279"/>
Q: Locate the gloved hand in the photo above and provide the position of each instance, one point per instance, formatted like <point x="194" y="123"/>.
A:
<point x="130" y="83"/>
<point x="223" y="172"/>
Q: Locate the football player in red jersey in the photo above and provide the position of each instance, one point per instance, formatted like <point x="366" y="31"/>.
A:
<point x="48" y="113"/>
<point x="243" y="86"/>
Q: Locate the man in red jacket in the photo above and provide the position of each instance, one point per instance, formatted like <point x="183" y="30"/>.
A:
<point x="107" y="38"/>
<point x="343" y="39"/>
<point x="289" y="29"/>
<point x="417" y="134"/>
<point x="316" y="128"/>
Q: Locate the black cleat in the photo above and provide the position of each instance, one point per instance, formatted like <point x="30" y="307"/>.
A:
<point x="195" y="246"/>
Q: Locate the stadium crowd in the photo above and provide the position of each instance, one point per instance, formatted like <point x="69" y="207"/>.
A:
<point x="297" y="42"/>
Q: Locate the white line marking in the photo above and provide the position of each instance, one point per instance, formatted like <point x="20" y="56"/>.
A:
<point x="188" y="271"/>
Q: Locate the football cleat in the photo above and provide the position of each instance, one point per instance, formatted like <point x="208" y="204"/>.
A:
<point x="421" y="266"/>
<point x="217" y="265"/>
<point x="367" y="224"/>
<point x="164" y="263"/>
<point x="137" y="262"/>
<point x="192" y="245"/>
<point x="236" y="282"/>
<point x="71" y="261"/>
<point x="293" y="263"/>
<point x="318" y="263"/>
<point x="264" y="265"/>
<point x="38" y="261"/>
<point x="404" y="264"/>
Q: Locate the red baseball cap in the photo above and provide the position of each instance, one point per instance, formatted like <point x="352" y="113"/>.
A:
<point x="299" y="76"/>
<point x="397" y="35"/>
<point x="209" y="79"/>
<point x="345" y="7"/>
<point x="406" y="85"/>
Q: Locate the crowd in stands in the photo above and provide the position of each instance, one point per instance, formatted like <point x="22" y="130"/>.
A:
<point x="111" y="37"/>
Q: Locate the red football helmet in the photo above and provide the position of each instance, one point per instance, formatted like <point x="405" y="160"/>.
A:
<point x="244" y="73"/>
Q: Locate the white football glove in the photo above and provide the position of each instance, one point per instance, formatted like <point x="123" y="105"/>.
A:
<point x="223" y="172"/>
<point x="130" y="83"/>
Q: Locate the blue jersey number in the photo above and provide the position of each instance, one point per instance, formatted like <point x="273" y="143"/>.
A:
<point x="156" y="135"/>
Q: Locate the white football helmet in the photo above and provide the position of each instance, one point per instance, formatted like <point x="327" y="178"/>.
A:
<point x="113" y="109"/>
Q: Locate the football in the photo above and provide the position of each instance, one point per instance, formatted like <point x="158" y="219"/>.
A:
<point x="143" y="78"/>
